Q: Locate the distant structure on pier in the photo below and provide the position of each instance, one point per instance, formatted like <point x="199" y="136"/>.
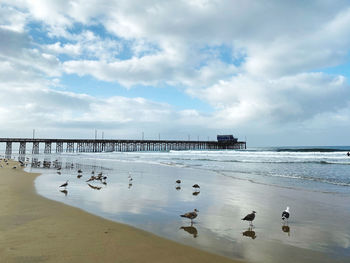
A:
<point x="227" y="139"/>
<point x="114" y="145"/>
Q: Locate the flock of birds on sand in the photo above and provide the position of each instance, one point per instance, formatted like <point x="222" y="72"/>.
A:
<point x="100" y="177"/>
<point x="249" y="217"/>
<point x="189" y="215"/>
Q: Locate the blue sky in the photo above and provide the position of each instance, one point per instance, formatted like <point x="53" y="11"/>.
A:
<point x="276" y="73"/>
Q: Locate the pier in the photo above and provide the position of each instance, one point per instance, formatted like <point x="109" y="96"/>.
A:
<point x="112" y="145"/>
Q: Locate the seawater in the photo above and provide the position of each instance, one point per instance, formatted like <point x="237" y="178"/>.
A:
<point x="314" y="168"/>
<point x="313" y="181"/>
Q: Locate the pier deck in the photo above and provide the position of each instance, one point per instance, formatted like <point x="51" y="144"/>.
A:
<point x="111" y="145"/>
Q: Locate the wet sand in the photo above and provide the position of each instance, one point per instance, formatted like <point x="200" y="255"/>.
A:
<point x="314" y="233"/>
<point x="35" y="229"/>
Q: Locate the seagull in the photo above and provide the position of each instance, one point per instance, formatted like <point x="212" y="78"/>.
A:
<point x="250" y="217"/>
<point x="65" y="184"/>
<point x="285" y="214"/>
<point x="191" y="215"/>
<point x="196" y="186"/>
<point x="92" y="178"/>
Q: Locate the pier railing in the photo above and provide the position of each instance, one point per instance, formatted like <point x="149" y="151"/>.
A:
<point x="111" y="145"/>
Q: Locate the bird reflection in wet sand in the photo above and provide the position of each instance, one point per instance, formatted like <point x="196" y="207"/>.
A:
<point x="249" y="233"/>
<point x="286" y="229"/>
<point x="64" y="191"/>
<point x="178" y="188"/>
<point x="191" y="230"/>
<point x="195" y="193"/>
<point x="95" y="187"/>
<point x="130" y="185"/>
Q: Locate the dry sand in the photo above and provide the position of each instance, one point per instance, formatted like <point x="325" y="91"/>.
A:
<point x="35" y="229"/>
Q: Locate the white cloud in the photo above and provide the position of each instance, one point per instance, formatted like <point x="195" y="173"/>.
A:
<point x="253" y="62"/>
<point x="87" y="45"/>
<point x="12" y="19"/>
<point x="286" y="99"/>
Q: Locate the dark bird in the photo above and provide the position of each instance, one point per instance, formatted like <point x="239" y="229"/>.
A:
<point x="80" y="171"/>
<point x="93" y="172"/>
<point x="191" y="230"/>
<point x="285" y="214"/>
<point x="92" y="178"/>
<point x="65" y="184"/>
<point x="59" y="168"/>
<point x="250" y="217"/>
<point x="191" y="215"/>
<point x="196" y="186"/>
<point x="195" y="193"/>
<point x="178" y="181"/>
<point x="249" y="233"/>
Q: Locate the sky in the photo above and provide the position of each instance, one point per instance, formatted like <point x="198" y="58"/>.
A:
<point x="273" y="72"/>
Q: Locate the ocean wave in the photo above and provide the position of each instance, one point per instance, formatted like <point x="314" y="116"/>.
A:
<point x="314" y="179"/>
<point x="312" y="150"/>
<point x="265" y="161"/>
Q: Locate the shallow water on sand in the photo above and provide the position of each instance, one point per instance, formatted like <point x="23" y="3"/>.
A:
<point x="318" y="229"/>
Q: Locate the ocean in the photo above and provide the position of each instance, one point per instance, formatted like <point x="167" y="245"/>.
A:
<point x="313" y="181"/>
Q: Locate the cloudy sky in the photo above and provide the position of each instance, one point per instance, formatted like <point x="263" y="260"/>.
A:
<point x="276" y="72"/>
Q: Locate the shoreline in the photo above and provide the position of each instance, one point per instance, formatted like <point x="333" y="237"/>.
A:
<point x="36" y="229"/>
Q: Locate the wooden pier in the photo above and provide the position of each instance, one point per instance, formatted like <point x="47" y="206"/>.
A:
<point x="110" y="145"/>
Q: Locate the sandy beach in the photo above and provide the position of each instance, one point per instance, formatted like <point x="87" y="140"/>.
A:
<point x="35" y="229"/>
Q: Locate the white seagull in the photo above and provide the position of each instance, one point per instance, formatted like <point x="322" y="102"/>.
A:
<point x="285" y="214"/>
